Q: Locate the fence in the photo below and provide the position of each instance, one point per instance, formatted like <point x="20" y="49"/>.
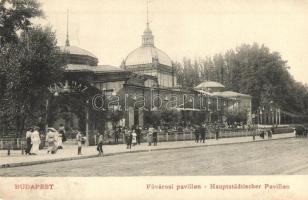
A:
<point x="12" y="144"/>
<point x="173" y="136"/>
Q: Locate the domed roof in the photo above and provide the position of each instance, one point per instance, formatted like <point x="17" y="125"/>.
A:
<point x="76" y="55"/>
<point x="76" y="51"/>
<point x="209" y="84"/>
<point x="231" y="94"/>
<point x="146" y="55"/>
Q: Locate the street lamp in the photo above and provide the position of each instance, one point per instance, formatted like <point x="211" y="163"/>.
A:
<point x="55" y="93"/>
<point x="87" y="122"/>
<point x="113" y="94"/>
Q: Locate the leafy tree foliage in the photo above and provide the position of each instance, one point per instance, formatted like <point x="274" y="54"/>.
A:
<point x="249" y="69"/>
<point x="28" y="67"/>
<point x="29" y="62"/>
<point x="15" y="15"/>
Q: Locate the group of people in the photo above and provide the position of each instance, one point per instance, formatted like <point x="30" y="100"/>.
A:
<point x="200" y="133"/>
<point x="33" y="140"/>
<point x="132" y="136"/>
<point x="202" y="130"/>
<point x="152" y="136"/>
<point x="53" y="138"/>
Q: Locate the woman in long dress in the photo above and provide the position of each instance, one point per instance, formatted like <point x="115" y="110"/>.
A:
<point x="60" y="139"/>
<point x="51" y="138"/>
<point x="134" y="137"/>
<point x="35" y="141"/>
<point x="150" y="135"/>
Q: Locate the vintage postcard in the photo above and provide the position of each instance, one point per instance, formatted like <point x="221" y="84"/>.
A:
<point x="153" y="99"/>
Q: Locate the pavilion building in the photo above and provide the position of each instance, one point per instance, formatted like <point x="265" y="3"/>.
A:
<point x="96" y="98"/>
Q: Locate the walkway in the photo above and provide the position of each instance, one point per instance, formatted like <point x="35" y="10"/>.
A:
<point x="70" y="150"/>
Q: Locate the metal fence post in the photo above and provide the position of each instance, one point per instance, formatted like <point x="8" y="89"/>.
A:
<point x="167" y="136"/>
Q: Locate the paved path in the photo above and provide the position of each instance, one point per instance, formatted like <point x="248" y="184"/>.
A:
<point x="70" y="151"/>
<point x="275" y="157"/>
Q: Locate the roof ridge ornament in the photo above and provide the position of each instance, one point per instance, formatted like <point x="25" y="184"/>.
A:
<point x="67" y="42"/>
<point x="147" y="37"/>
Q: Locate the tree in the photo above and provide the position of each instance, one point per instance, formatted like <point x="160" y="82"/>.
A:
<point x="250" y="69"/>
<point x="28" y="67"/>
<point x="15" y="15"/>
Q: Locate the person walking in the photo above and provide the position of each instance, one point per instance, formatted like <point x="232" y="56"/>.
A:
<point x="150" y="135"/>
<point x="51" y="140"/>
<point x="155" y="135"/>
<point x="216" y="131"/>
<point x="100" y="144"/>
<point x="128" y="138"/>
<point x="35" y="141"/>
<point x="28" y="140"/>
<point x="272" y="131"/>
<point x="134" y="137"/>
<point x="60" y="139"/>
<point x="116" y="135"/>
<point x="202" y="133"/>
<point x="138" y="132"/>
<point x="79" y="139"/>
<point x="197" y="134"/>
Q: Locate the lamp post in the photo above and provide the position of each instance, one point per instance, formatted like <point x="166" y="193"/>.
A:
<point x="87" y="122"/>
<point x="272" y="112"/>
<point x="113" y="94"/>
<point x="209" y="109"/>
<point x="56" y="93"/>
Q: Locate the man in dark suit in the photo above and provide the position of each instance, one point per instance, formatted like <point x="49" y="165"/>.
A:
<point x="197" y="134"/>
<point x="202" y="131"/>
<point x="138" y="132"/>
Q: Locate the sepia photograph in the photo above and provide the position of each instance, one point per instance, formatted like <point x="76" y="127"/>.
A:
<point x="102" y="91"/>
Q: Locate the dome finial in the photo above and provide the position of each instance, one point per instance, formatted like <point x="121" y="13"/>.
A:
<point x="147" y="37"/>
<point x="67" y="42"/>
<point x="147" y="13"/>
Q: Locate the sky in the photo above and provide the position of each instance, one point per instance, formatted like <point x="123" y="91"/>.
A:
<point x="111" y="29"/>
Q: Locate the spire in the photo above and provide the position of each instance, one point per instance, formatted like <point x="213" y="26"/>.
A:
<point x="67" y="42"/>
<point x="147" y="13"/>
<point x="147" y="37"/>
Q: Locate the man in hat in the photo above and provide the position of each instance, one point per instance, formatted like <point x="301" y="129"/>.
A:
<point x="197" y="134"/>
<point x="138" y="132"/>
<point x="202" y="132"/>
<point x="216" y="128"/>
<point x="28" y="139"/>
